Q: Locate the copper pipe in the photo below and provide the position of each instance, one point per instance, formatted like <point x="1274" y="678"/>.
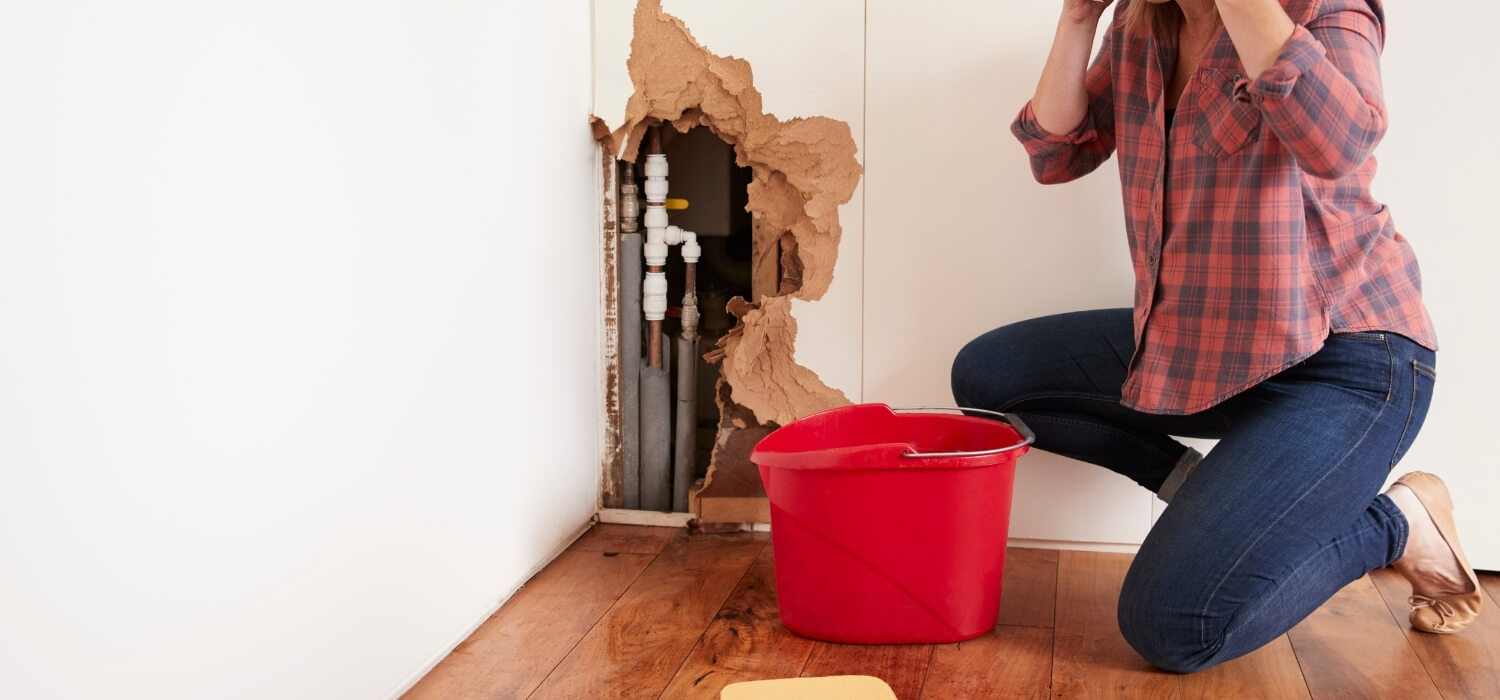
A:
<point x="690" y="280"/>
<point x="653" y="353"/>
<point x="655" y="132"/>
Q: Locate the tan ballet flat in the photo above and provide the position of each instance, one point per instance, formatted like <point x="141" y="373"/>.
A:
<point x="1450" y="613"/>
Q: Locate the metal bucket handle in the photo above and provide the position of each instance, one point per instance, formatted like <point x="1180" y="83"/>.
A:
<point x="1027" y="437"/>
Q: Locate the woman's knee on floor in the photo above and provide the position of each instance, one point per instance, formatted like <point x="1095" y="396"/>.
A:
<point x="1153" y="623"/>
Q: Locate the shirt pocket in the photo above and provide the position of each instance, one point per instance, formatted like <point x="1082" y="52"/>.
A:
<point x="1226" y="122"/>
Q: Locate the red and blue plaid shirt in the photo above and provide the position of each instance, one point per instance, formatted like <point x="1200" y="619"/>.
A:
<point x="1270" y="238"/>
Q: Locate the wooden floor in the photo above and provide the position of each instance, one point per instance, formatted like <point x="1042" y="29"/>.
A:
<point x="656" y="613"/>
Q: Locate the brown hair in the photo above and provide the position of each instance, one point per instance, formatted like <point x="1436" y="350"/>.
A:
<point x="1152" y="18"/>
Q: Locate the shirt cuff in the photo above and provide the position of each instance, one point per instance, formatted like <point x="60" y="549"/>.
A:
<point x="1028" y="129"/>
<point x="1300" y="54"/>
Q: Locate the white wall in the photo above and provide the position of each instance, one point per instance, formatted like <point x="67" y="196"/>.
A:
<point x="1437" y="173"/>
<point x="299" y="367"/>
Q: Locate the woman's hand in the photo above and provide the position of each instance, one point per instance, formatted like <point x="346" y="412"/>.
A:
<point x="1084" y="11"/>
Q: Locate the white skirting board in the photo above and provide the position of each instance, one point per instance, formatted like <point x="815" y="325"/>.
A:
<point x="650" y="518"/>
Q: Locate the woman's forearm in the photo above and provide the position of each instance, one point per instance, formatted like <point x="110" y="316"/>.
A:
<point x="1259" y="30"/>
<point x="1061" y="101"/>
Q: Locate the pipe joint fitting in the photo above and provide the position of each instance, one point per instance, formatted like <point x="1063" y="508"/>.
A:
<point x="656" y="190"/>
<point x="656" y="218"/>
<point x="654" y="296"/>
<point x="656" y="165"/>
<point x="656" y="253"/>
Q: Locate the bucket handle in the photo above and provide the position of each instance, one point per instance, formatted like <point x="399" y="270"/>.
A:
<point x="1027" y="437"/>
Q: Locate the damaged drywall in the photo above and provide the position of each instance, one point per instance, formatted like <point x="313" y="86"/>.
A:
<point x="804" y="169"/>
<point x="756" y="360"/>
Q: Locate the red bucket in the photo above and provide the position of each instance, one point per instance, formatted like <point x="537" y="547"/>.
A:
<point x="889" y="526"/>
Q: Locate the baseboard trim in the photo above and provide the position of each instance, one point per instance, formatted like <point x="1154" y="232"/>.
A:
<point x="649" y="518"/>
<point x="1112" y="547"/>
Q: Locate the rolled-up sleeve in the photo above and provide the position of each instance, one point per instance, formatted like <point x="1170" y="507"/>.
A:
<point x="1059" y="158"/>
<point x="1323" y="97"/>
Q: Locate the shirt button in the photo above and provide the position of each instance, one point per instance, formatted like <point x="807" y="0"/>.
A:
<point x="1151" y="259"/>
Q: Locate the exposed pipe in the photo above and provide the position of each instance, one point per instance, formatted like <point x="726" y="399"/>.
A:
<point x="685" y="460"/>
<point x="656" y="437"/>
<point x="656" y="396"/>
<point x="630" y="339"/>
<point x="661" y="487"/>
<point x="655" y="301"/>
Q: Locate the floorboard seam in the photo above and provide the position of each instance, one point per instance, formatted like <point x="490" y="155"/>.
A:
<point x="1406" y="633"/>
<point x="704" y="632"/>
<point x="599" y="619"/>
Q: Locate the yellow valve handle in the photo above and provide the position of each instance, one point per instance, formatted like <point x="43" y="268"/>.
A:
<point x="675" y="204"/>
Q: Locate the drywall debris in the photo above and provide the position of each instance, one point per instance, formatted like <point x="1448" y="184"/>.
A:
<point x="733" y="480"/>
<point x="757" y="362"/>
<point x="804" y="168"/>
<point x="791" y="266"/>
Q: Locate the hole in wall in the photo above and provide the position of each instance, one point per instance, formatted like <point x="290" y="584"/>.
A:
<point x="802" y="170"/>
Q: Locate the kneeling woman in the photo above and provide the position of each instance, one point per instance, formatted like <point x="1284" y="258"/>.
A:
<point x="1276" y="310"/>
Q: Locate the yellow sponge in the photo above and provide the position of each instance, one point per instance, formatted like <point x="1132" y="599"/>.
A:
<point x="827" y="688"/>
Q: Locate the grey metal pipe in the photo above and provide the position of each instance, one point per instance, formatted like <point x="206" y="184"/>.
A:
<point x="685" y="461"/>
<point x="630" y="367"/>
<point x="656" y="433"/>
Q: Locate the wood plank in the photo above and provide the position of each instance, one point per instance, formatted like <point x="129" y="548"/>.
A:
<point x="733" y="509"/>
<point x="1491" y="584"/>
<point x="745" y="642"/>
<point x="1008" y="662"/>
<point x="732" y="491"/>
<point x="1351" y="648"/>
<point x="1090" y="657"/>
<point x="903" y="667"/>
<point x="1268" y="673"/>
<point x="1028" y="596"/>
<point x="1463" y="665"/>
<point x="625" y="539"/>
<point x="639" y="644"/>
<point x="510" y="654"/>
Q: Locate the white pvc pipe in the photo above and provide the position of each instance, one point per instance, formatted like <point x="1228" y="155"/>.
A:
<point x="654" y="303"/>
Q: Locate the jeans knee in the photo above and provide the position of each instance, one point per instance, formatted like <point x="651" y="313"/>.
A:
<point x="983" y="372"/>
<point x="965" y="372"/>
<point x="1166" y="640"/>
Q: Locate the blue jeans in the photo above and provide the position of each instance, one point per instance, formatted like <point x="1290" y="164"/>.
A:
<point x="1279" y="516"/>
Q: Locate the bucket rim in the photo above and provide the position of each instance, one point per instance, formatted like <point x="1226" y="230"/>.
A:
<point x="892" y="456"/>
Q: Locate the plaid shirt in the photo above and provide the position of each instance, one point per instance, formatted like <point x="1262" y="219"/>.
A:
<point x="1270" y="238"/>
